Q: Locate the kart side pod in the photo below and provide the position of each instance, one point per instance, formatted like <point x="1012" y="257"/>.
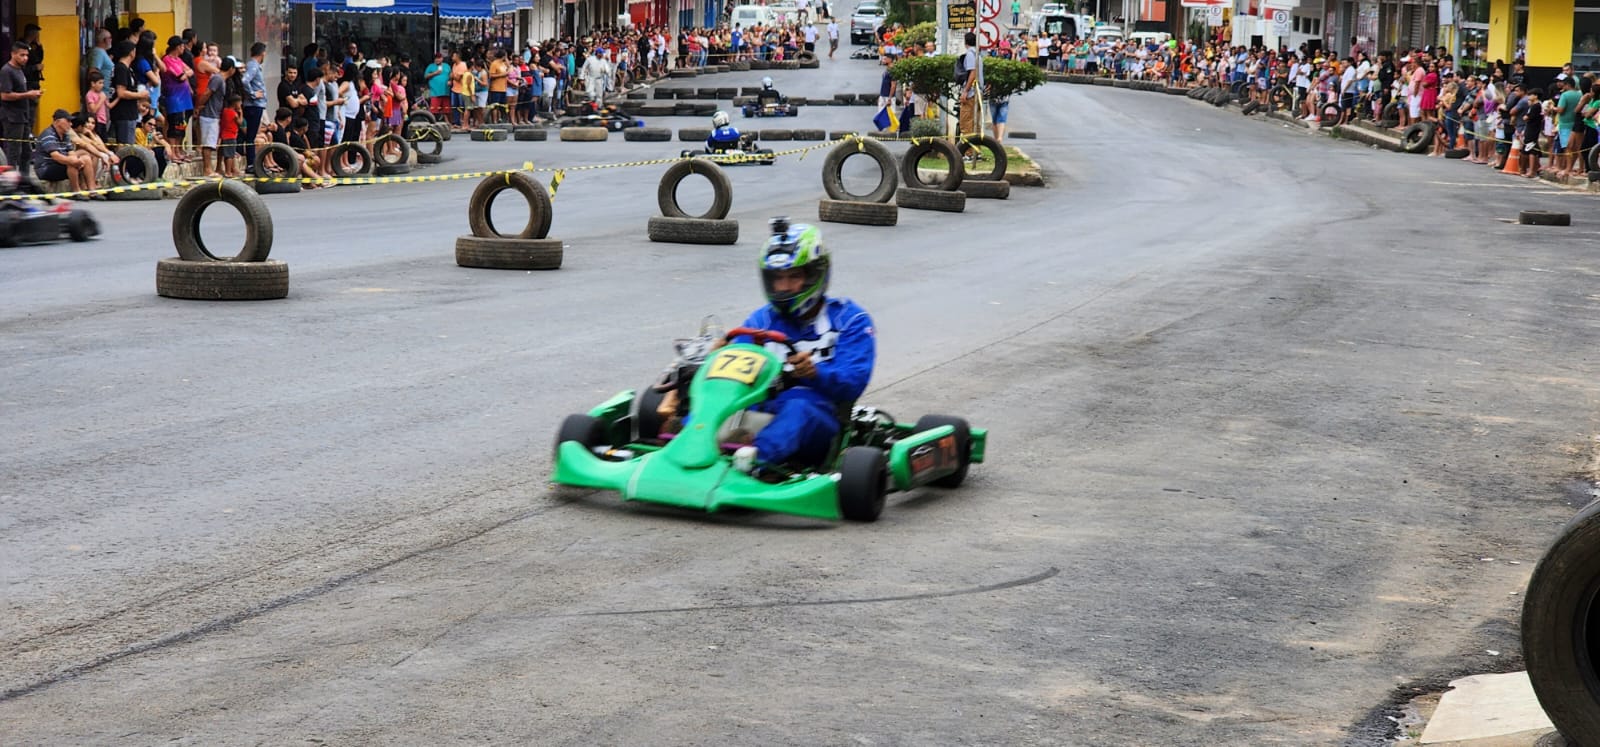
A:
<point x="924" y="457"/>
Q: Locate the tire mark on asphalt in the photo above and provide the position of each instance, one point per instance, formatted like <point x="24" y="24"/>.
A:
<point x="224" y="623"/>
<point x="1047" y="573"/>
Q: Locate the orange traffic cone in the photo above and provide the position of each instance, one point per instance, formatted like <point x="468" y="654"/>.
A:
<point x="1461" y="140"/>
<point x="1514" y="161"/>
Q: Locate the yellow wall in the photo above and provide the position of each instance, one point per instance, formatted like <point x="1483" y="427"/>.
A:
<point x="162" y="24"/>
<point x="59" y="37"/>
<point x="1549" y="33"/>
<point x="1502" y="25"/>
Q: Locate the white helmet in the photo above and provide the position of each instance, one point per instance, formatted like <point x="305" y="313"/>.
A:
<point x="766" y="82"/>
<point x="720" y="119"/>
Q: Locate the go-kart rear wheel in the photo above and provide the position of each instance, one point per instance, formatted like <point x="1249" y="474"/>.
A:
<point x="863" y="482"/>
<point x="584" y="429"/>
<point x="963" y="446"/>
<point x="81" y="227"/>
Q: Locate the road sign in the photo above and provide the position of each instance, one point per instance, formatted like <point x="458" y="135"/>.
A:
<point x="1214" y="15"/>
<point x="963" y="16"/>
<point x="1280" y="21"/>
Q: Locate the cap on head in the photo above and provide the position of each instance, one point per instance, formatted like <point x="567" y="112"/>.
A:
<point x="61" y="114"/>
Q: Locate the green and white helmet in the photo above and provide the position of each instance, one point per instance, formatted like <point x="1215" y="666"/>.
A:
<point x="795" y="247"/>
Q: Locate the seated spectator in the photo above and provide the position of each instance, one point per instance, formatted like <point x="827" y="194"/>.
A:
<point x="85" y="140"/>
<point x="149" y="136"/>
<point x="54" y="159"/>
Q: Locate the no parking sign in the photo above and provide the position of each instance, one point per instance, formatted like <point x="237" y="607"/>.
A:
<point x="1280" y="21"/>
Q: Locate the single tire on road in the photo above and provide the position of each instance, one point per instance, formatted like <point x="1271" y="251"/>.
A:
<point x="930" y="199"/>
<point x="508" y="254"/>
<point x="222" y="281"/>
<point x="1544" y="218"/>
<point x="692" y="230"/>
<point x="858" y="213"/>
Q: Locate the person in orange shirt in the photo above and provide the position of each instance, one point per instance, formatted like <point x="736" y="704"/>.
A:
<point x="458" y="100"/>
<point x="499" y="72"/>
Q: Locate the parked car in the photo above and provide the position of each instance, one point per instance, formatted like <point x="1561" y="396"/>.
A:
<point x="864" y="22"/>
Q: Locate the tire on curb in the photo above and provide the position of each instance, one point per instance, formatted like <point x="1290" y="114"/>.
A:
<point x="344" y="151"/>
<point x="509" y="253"/>
<point x="721" y="189"/>
<point x="278" y="186"/>
<point x="986" y="189"/>
<point x="390" y="149"/>
<point x="1455" y="153"/>
<point x="909" y="171"/>
<point x="540" y="211"/>
<point x="1249" y="108"/>
<point x="692" y="230"/>
<point x="428" y="141"/>
<point x="1559" y="624"/>
<point x="487" y="136"/>
<point x="1544" y="218"/>
<point x="858" y="213"/>
<point x="193" y="204"/>
<point x="833" y="178"/>
<point x="1418" y="137"/>
<point x="222" y="281"/>
<point x="997" y="156"/>
<point x="647" y="134"/>
<point x="931" y="199"/>
<point x="275" y="154"/>
<point x="145" y="161"/>
<point x="584" y="134"/>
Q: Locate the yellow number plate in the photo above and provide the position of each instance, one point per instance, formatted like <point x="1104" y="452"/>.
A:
<point x="737" y="365"/>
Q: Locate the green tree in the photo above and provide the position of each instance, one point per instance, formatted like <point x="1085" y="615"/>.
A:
<point x="934" y="76"/>
<point x="910" y="12"/>
<point x="918" y="35"/>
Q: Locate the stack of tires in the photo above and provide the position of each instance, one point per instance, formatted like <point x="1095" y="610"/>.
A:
<point x="136" y="166"/>
<point x="528" y="249"/>
<point x="866" y="209"/>
<point x="943" y="195"/>
<point x="200" y="273"/>
<point x="991" y="184"/>
<point x="674" y="225"/>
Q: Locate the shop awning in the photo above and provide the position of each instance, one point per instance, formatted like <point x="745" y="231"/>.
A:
<point x="408" y="7"/>
<point x="480" y="8"/>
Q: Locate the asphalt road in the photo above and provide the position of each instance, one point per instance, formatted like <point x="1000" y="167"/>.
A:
<point x="1279" y="424"/>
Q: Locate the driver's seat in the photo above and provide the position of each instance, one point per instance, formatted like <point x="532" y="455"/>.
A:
<point x="749" y="421"/>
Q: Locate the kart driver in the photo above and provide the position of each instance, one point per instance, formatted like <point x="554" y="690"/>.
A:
<point x="835" y="348"/>
<point x="768" y="94"/>
<point x="724" y="137"/>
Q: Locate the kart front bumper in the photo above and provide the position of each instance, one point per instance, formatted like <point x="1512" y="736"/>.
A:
<point x="655" y="478"/>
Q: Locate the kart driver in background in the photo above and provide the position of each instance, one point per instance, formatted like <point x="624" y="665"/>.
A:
<point x="724" y="137"/>
<point x="835" y="343"/>
<point x="768" y="94"/>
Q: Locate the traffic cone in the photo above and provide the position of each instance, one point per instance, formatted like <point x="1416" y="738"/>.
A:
<point x="1513" y="162"/>
<point x="1461" y="140"/>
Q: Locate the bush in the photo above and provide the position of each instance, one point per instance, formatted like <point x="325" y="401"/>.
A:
<point x="925" y="127"/>
<point x="935" y="76"/>
<point x="917" y="35"/>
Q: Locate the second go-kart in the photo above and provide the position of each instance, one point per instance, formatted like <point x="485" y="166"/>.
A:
<point x="625" y="444"/>
<point x="609" y="117"/>
<point x="37" y="220"/>
<point x="771" y="108"/>
<point x="746" y="152"/>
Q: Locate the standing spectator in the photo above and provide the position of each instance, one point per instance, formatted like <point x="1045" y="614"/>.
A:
<point x="127" y="95"/>
<point x="833" y="37"/>
<point x="96" y="105"/>
<point x="1532" y="128"/>
<point x="100" y="55"/>
<point x="810" y="33"/>
<point x="16" y="107"/>
<point x="1016" y="12"/>
<point x="34" y="69"/>
<point x="596" y="72"/>
<point x="967" y="76"/>
<point x="177" y="95"/>
<point x="460" y="78"/>
<point x="255" y="100"/>
<point x="350" y="94"/>
<point x="499" y="79"/>
<point x="1567" y="155"/>
<point x="232" y="118"/>
<point x="438" y="77"/>
<point x="212" y="96"/>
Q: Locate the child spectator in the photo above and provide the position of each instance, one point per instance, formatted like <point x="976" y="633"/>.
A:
<point x="232" y="115"/>
<point x="1532" y="129"/>
<point x="96" y="104"/>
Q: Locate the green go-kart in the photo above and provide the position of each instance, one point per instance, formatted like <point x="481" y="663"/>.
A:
<point x="620" y="445"/>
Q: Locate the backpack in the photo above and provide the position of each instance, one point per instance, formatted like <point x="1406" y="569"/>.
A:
<point x="961" y="69"/>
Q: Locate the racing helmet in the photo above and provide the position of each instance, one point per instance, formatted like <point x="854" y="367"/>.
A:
<point x="720" y="119"/>
<point x="766" y="83"/>
<point x="795" y="247"/>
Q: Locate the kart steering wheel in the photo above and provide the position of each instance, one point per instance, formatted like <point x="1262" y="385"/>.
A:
<point x="762" y="336"/>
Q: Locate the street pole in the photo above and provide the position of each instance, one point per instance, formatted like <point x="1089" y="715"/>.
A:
<point x="943" y="20"/>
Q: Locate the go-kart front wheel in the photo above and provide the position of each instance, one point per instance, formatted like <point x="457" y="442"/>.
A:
<point x="584" y="429"/>
<point x="963" y="446"/>
<point x="863" y="482"/>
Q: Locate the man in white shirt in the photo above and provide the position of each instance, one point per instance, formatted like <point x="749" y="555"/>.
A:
<point x="833" y="37"/>
<point x="802" y="11"/>
<point x="1347" y="91"/>
<point x="811" y="38"/>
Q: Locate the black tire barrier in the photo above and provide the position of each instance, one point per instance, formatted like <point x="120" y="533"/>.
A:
<point x="693" y="134"/>
<point x="1592" y="158"/>
<point x="986" y="190"/>
<point x="1390" y="112"/>
<point x="858" y="213"/>
<point x="682" y="73"/>
<point x="703" y="110"/>
<point x="845" y="98"/>
<point x="998" y="159"/>
<point x="760" y="65"/>
<point x="136" y="165"/>
<point x="637" y="96"/>
<point x="509" y="254"/>
<point x="275" y="160"/>
<point x="222" y="281"/>
<point x="727" y="93"/>
<point x="540" y="211"/>
<point x="910" y="172"/>
<point x="647" y="134"/>
<point x="840" y="134"/>
<point x="417" y="119"/>
<point x="1559" y="621"/>
<point x="1418" y="137"/>
<point x="810" y="135"/>
<point x="721" y="189"/>
<point x="833" y="175"/>
<point x="750" y="91"/>
<point x="1023" y="135"/>
<point x="705" y="93"/>
<point x="286" y="187"/>
<point x="350" y="159"/>
<point x="584" y="134"/>
<point x="429" y="144"/>
<point x="804" y="56"/>
<point x="257" y="222"/>
<point x="692" y="230"/>
<point x="1119" y="84"/>
<point x="530" y="134"/>
<point x="775" y="135"/>
<point x="738" y="67"/>
<point x="930" y="199"/>
<point x="488" y="136"/>
<point x="1544" y="218"/>
<point x="1594" y="176"/>
<point x="1455" y="153"/>
<point x="786" y="65"/>
<point x="664" y="94"/>
<point x="1249" y="108"/>
<point x="1103" y="82"/>
<point x="391" y="150"/>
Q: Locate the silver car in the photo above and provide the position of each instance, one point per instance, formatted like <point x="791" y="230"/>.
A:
<point x="864" y="21"/>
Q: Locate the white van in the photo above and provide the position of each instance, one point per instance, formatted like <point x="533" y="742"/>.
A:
<point x="745" y="16"/>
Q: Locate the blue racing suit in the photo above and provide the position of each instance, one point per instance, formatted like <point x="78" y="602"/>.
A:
<point x="806" y="415"/>
<point x="723" y="138"/>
